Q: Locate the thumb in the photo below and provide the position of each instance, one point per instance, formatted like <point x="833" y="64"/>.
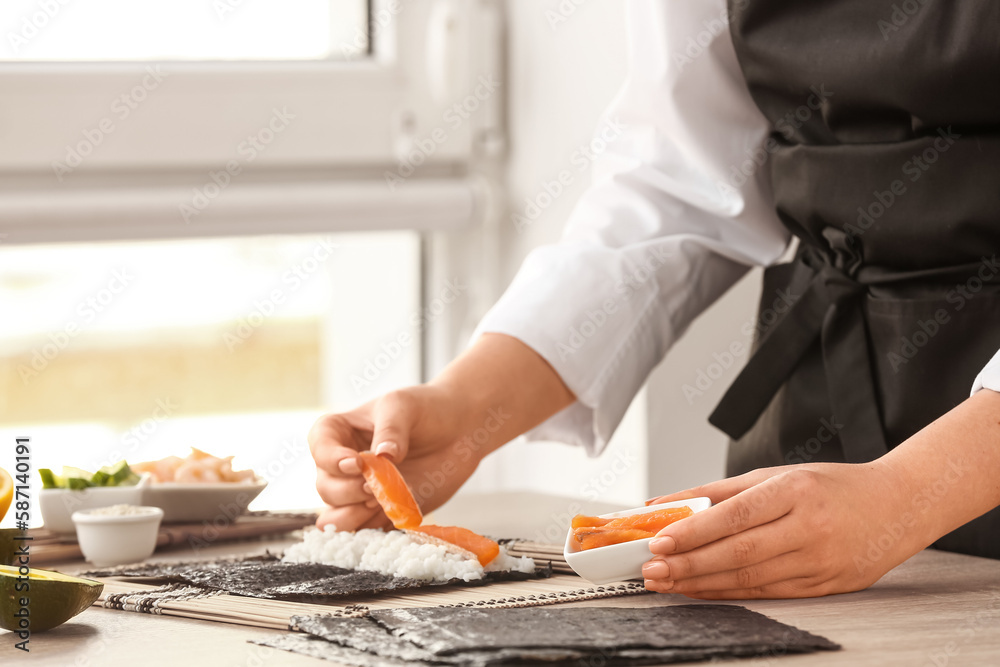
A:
<point x="393" y="419"/>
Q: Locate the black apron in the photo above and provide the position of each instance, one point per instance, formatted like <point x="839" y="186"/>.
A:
<point x="885" y="163"/>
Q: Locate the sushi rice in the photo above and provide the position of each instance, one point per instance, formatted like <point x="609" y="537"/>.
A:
<point x="399" y="553"/>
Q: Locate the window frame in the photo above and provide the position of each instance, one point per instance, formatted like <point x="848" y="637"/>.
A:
<point x="357" y="123"/>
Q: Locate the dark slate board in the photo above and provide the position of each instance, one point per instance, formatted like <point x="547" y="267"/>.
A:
<point x="448" y="630"/>
<point x="544" y="636"/>
<point x="268" y="577"/>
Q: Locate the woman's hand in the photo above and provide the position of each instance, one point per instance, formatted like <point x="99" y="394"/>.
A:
<point x="417" y="428"/>
<point x="787" y="532"/>
<point x="436" y="433"/>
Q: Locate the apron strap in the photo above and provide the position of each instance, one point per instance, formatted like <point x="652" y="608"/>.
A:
<point x="829" y="307"/>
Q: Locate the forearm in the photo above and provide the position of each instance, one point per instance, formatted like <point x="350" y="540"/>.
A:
<point x="948" y="473"/>
<point x="502" y="381"/>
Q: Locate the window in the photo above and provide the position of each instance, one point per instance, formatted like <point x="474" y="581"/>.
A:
<point x="207" y="146"/>
<point x="268" y="132"/>
<point x="143" y="350"/>
<point x="160" y="30"/>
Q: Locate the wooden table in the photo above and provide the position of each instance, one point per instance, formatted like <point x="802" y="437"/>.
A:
<point x="936" y="609"/>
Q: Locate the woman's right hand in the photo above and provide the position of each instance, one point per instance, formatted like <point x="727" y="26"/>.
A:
<point x="435" y="433"/>
<point x="418" y="428"/>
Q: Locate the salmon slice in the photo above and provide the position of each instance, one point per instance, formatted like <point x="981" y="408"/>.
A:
<point x="605" y="538"/>
<point x="484" y="548"/>
<point x="593" y="532"/>
<point x="584" y="521"/>
<point x="654" y="521"/>
<point x="390" y="490"/>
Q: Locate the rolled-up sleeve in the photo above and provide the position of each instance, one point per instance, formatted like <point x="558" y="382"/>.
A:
<point x="676" y="213"/>
<point x="989" y="377"/>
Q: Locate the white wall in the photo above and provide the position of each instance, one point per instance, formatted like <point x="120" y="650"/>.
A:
<point x="563" y="70"/>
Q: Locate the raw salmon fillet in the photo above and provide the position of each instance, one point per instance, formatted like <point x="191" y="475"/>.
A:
<point x="591" y="532"/>
<point x="390" y="490"/>
<point x="484" y="548"/>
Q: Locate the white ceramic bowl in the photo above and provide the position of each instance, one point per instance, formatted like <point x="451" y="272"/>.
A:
<point x="215" y="502"/>
<point x="58" y="505"/>
<point x="107" y="539"/>
<point x="620" y="562"/>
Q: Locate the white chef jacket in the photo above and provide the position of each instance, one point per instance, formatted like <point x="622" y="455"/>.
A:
<point x="678" y="211"/>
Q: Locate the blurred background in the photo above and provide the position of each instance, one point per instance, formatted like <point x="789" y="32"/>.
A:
<point x="220" y="219"/>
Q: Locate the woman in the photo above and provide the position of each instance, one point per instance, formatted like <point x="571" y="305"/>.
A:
<point x="865" y="130"/>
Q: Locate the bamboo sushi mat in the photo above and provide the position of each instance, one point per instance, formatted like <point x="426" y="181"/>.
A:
<point x="194" y="602"/>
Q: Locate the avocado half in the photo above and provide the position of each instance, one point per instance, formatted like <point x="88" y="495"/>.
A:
<point x="53" y="598"/>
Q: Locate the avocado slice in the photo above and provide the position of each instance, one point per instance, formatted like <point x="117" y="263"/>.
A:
<point x="50" y="480"/>
<point x="118" y="474"/>
<point x="53" y="598"/>
<point x="77" y="478"/>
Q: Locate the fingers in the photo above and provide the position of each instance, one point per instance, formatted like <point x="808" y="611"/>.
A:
<point x="786" y="567"/>
<point x="755" y="506"/>
<point x="721" y="490"/>
<point x="339" y="490"/>
<point x="393" y="418"/>
<point x="789" y="588"/>
<point x="743" y="550"/>
<point x="347" y="517"/>
<point x="334" y="443"/>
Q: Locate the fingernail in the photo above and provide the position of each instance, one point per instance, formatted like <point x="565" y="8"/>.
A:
<point x="366" y="488"/>
<point x="371" y="504"/>
<point x="653" y="500"/>
<point x="655" y="570"/>
<point x="387" y="448"/>
<point x="350" y="466"/>
<point x="663" y="545"/>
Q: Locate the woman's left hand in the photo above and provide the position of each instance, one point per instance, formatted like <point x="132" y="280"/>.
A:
<point x="791" y="531"/>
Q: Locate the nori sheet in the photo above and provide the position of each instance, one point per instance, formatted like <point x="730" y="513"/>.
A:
<point x="538" y="635"/>
<point x="445" y="631"/>
<point x="270" y="578"/>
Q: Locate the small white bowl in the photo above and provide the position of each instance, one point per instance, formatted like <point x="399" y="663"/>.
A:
<point x="107" y="539"/>
<point x="620" y="562"/>
<point x="58" y="505"/>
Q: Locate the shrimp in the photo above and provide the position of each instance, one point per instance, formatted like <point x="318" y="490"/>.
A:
<point x="198" y="471"/>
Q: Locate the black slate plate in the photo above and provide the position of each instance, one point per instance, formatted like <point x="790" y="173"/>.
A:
<point x="550" y="636"/>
